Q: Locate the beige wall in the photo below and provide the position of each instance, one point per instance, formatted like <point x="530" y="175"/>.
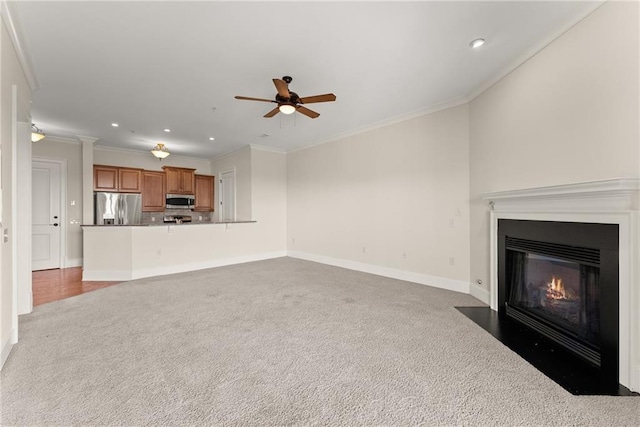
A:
<point x="10" y="74"/>
<point x="569" y="114"/>
<point x="240" y="161"/>
<point x="269" y="195"/>
<point x="71" y="152"/>
<point x="395" y="197"/>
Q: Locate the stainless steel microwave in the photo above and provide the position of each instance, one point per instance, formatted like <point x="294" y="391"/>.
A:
<point x="180" y="201"/>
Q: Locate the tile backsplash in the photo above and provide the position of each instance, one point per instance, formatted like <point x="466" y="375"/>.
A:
<point x="147" y="217"/>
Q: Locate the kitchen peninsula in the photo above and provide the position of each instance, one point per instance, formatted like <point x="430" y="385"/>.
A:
<point x="119" y="253"/>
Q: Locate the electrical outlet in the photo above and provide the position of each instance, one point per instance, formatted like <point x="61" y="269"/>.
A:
<point x="451" y="223"/>
<point x="293" y="240"/>
<point x="153" y="219"/>
<point x="452" y="261"/>
<point x="404" y="255"/>
<point x="364" y="249"/>
<point x="199" y="217"/>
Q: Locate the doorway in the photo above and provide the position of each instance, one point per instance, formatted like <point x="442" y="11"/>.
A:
<point x="47" y="216"/>
<point x="228" y="196"/>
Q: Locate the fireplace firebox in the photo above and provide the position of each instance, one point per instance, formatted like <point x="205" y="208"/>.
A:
<point x="560" y="280"/>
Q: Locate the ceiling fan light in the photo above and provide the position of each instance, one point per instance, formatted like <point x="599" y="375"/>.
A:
<point x="36" y="133"/>
<point x="286" y="108"/>
<point x="160" y="151"/>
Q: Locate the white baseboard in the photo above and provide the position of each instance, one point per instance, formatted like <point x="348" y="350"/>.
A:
<point x="409" y="276"/>
<point x="635" y="379"/>
<point x="106" y="275"/>
<point x="7" y="345"/>
<point x="162" y="270"/>
<point x="72" y="262"/>
<point x="480" y="293"/>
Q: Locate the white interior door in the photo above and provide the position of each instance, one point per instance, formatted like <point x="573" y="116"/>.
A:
<point x="45" y="236"/>
<point x="227" y="196"/>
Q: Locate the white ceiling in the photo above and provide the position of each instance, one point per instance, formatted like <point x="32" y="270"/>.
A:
<point x="155" y="65"/>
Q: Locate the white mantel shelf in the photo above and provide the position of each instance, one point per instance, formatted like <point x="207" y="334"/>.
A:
<point x="611" y="201"/>
<point x="619" y="194"/>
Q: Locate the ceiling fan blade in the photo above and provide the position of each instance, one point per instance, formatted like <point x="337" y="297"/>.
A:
<point x="272" y="113"/>
<point x="283" y="90"/>
<point x="247" y="98"/>
<point x="307" y="112"/>
<point x="327" y="97"/>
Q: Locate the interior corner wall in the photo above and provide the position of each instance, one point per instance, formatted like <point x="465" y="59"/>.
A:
<point x="570" y="114"/>
<point x="72" y="153"/>
<point x="269" y="197"/>
<point x="393" y="200"/>
<point x="11" y="75"/>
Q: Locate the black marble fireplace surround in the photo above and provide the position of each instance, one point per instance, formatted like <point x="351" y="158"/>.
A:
<point x="558" y="301"/>
<point x="533" y="256"/>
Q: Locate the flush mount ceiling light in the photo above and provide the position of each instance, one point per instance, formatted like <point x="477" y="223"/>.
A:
<point x="160" y="151"/>
<point x="115" y="125"/>
<point x="286" y="108"/>
<point x="211" y="138"/>
<point x="167" y="130"/>
<point x="477" y="43"/>
<point x="36" y="133"/>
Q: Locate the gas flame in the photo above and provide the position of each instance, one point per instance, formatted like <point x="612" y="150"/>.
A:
<point x="555" y="289"/>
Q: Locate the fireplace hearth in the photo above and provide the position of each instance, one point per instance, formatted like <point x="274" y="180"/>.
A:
<point x="560" y="280"/>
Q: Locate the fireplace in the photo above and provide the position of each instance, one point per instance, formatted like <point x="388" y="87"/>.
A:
<point x="560" y="280"/>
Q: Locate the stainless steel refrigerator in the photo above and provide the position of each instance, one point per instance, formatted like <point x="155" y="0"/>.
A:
<point x="117" y="208"/>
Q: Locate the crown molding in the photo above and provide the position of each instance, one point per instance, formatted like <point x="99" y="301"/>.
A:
<point x="11" y="19"/>
<point x="61" y="139"/>
<point x="266" y="148"/>
<point x="386" y="122"/>
<point x="229" y="153"/>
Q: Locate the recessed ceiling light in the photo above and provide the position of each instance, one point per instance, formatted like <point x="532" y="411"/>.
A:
<point x="211" y="138"/>
<point x="115" y="125"/>
<point x="477" y="43"/>
<point x="167" y="130"/>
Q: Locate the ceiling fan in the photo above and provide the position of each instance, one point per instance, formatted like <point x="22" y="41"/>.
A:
<point x="289" y="102"/>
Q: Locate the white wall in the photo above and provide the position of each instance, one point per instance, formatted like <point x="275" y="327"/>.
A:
<point x="569" y="114"/>
<point x="393" y="200"/>
<point x="11" y="111"/>
<point x="52" y="148"/>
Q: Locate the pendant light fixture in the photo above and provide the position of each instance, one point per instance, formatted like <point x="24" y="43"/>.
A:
<point x="36" y="133"/>
<point x="160" y="151"/>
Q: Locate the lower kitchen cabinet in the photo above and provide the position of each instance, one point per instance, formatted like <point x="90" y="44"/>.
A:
<point x="204" y="193"/>
<point x="153" y="199"/>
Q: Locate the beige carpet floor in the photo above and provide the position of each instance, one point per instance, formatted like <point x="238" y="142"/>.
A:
<point x="278" y="342"/>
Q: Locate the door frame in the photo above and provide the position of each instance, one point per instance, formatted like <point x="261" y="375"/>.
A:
<point x="63" y="203"/>
<point x="235" y="201"/>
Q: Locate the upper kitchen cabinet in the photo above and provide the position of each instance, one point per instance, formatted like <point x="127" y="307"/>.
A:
<point x="179" y="180"/>
<point x="153" y="199"/>
<point x="111" y="178"/>
<point x="204" y="193"/>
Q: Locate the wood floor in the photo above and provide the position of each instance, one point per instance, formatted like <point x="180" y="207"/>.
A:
<point x="54" y="285"/>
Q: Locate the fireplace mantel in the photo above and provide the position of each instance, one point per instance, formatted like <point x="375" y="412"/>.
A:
<point x="612" y="201"/>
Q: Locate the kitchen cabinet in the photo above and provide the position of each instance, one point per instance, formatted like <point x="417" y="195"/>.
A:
<point x="179" y="180"/>
<point x="112" y="178"/>
<point x="153" y="198"/>
<point x="204" y="193"/>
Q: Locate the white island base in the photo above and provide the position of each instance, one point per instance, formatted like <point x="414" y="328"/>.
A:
<point x="120" y="253"/>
